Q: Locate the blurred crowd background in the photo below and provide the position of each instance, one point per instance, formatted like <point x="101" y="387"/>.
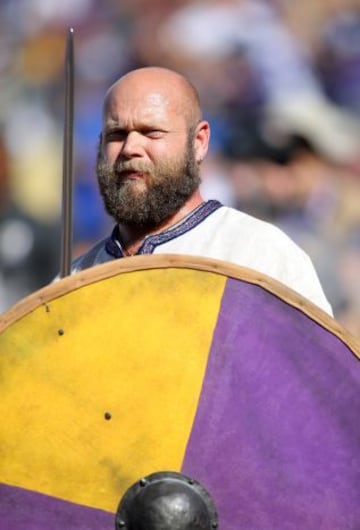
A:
<point x="280" y="84"/>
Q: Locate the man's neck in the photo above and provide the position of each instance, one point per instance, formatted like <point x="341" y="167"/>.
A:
<point x="132" y="236"/>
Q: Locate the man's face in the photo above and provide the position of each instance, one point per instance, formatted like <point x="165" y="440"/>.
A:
<point x="151" y="198"/>
<point x="146" y="164"/>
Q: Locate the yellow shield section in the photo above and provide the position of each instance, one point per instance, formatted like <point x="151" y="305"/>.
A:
<point x="100" y="383"/>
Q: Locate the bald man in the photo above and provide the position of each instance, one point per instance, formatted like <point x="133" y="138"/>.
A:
<point x="150" y="152"/>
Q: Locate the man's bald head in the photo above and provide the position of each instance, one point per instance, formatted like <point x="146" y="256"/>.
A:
<point x="152" y="144"/>
<point x="170" y="87"/>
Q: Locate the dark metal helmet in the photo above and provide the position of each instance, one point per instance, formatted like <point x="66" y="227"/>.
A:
<point x="166" y="501"/>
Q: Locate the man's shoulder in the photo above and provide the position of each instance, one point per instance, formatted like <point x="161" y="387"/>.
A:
<point x="253" y="225"/>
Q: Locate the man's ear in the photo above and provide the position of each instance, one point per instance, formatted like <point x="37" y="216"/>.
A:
<point x="201" y="140"/>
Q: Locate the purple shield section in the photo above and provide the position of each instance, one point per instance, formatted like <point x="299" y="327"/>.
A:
<point x="276" y="437"/>
<point x="28" y="510"/>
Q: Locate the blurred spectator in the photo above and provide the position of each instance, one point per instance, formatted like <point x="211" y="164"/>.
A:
<point x="29" y="255"/>
<point x="315" y="201"/>
<point x="338" y="58"/>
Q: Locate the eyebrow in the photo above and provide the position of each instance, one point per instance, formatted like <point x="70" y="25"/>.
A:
<point x="114" y="128"/>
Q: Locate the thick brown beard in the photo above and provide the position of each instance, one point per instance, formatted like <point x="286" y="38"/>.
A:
<point x="168" y="186"/>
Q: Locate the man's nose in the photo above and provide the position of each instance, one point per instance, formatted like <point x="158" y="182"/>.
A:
<point x="132" y="145"/>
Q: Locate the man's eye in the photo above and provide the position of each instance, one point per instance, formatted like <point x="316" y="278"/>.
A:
<point x="154" y="133"/>
<point x="115" y="136"/>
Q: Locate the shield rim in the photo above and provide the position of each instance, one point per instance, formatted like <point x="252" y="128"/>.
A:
<point x="165" y="261"/>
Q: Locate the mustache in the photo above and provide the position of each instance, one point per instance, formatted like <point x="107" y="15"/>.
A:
<point x="138" y="166"/>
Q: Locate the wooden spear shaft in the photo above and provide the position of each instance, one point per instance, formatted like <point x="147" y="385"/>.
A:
<point x="67" y="182"/>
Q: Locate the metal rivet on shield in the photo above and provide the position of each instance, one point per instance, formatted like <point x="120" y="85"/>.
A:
<point x="107" y="415"/>
<point x="61" y="332"/>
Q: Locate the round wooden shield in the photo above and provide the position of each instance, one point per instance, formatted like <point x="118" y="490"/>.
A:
<point x="170" y="363"/>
